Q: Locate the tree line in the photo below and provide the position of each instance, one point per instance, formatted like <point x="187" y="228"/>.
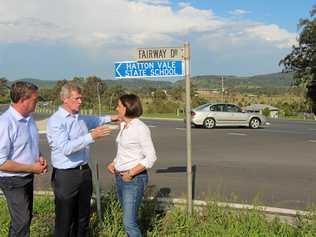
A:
<point x="99" y="96"/>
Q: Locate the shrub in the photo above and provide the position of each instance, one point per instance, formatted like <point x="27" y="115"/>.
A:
<point x="212" y="221"/>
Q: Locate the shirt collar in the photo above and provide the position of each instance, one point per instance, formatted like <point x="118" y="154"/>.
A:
<point x="134" y="120"/>
<point x="65" y="113"/>
<point x="17" y="115"/>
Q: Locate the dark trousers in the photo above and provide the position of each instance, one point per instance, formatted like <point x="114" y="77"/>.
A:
<point x="18" y="192"/>
<point x="73" y="190"/>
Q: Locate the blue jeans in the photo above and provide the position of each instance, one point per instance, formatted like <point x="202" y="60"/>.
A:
<point x="130" y="195"/>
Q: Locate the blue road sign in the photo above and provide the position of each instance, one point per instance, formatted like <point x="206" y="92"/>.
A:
<point x="136" y="69"/>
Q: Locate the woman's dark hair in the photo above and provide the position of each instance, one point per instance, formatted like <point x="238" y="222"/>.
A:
<point x="132" y="104"/>
<point x="22" y="90"/>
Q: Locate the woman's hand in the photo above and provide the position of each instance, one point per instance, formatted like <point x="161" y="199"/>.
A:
<point x="111" y="168"/>
<point x="126" y="176"/>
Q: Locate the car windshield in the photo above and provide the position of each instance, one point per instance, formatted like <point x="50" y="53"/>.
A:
<point x="201" y="107"/>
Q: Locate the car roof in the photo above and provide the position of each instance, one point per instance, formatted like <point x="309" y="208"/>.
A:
<point x="216" y="103"/>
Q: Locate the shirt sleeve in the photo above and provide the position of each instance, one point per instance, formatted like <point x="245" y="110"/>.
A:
<point x="94" y="121"/>
<point x="148" y="148"/>
<point x="4" y="142"/>
<point x="57" y="137"/>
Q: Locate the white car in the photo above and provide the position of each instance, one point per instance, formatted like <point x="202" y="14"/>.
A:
<point x="211" y="115"/>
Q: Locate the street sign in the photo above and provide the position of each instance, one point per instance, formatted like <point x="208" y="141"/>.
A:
<point x="134" y="69"/>
<point x="165" y="62"/>
<point x="150" y="54"/>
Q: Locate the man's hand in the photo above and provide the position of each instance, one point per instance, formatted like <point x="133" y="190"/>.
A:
<point x="39" y="167"/>
<point x="100" y="132"/>
<point x="43" y="162"/>
<point x="111" y="168"/>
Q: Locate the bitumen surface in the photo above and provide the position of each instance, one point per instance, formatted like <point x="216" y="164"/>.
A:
<point x="273" y="166"/>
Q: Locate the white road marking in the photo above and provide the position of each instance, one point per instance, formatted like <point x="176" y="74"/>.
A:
<point x="152" y="126"/>
<point x="314" y="141"/>
<point x="182" y="129"/>
<point x="237" y="134"/>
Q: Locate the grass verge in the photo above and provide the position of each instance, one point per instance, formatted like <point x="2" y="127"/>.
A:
<point x="210" y="221"/>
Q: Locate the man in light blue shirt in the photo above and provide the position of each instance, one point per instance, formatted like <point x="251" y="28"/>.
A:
<point x="69" y="135"/>
<point x="20" y="156"/>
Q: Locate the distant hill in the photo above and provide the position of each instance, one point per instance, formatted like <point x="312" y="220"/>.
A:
<point x="128" y="83"/>
<point x="139" y="83"/>
<point x="274" y="80"/>
<point x="38" y="82"/>
<point x="211" y="82"/>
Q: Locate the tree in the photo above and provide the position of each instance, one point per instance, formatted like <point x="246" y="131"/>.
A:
<point x="266" y="112"/>
<point x="159" y="95"/>
<point x="4" y="90"/>
<point x="177" y="93"/>
<point x="112" y="95"/>
<point x="3" y="86"/>
<point x="93" y="88"/>
<point x="56" y="91"/>
<point x="302" y="59"/>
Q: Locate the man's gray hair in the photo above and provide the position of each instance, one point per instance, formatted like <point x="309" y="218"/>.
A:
<point x="68" y="88"/>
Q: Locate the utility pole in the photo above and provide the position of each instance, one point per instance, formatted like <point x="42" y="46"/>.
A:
<point x="222" y="89"/>
<point x="110" y="109"/>
<point x="99" y="98"/>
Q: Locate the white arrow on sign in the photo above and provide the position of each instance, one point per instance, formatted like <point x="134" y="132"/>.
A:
<point x="117" y="70"/>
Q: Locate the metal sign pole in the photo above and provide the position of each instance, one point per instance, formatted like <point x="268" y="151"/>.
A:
<point x="96" y="185"/>
<point x="188" y="124"/>
<point x="95" y="174"/>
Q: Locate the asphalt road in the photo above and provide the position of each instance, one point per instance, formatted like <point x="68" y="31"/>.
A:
<point x="273" y="166"/>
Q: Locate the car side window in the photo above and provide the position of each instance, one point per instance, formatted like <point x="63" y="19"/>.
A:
<point x="216" y="108"/>
<point x="227" y="108"/>
<point x="213" y="108"/>
<point x="232" y="108"/>
<point x="235" y="109"/>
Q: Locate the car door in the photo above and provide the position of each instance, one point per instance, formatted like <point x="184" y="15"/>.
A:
<point x="227" y="115"/>
<point x="237" y="116"/>
<point x="217" y="112"/>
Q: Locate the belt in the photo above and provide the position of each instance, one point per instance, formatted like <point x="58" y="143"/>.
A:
<point x="119" y="172"/>
<point x="80" y="167"/>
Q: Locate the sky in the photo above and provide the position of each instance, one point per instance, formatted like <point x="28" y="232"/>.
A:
<point x="61" y="39"/>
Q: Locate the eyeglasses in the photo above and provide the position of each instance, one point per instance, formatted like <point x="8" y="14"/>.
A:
<point x="76" y="98"/>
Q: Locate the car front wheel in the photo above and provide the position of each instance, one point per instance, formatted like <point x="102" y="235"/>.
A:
<point x="254" y="123"/>
<point x="209" y="123"/>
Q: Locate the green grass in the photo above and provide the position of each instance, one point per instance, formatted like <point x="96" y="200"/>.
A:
<point x="43" y="217"/>
<point x="211" y="221"/>
<point x="163" y="115"/>
<point x="298" y="117"/>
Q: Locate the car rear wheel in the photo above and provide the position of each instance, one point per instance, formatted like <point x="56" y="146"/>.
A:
<point x="209" y="123"/>
<point x="254" y="123"/>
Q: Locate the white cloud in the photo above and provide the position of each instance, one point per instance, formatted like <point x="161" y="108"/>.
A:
<point x="153" y="2"/>
<point x="97" y="22"/>
<point x="272" y="33"/>
<point x="239" y="12"/>
<point x="30" y="29"/>
<point x="115" y="26"/>
<point x="84" y="22"/>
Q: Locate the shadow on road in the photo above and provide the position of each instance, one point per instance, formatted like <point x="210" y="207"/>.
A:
<point x="180" y="169"/>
